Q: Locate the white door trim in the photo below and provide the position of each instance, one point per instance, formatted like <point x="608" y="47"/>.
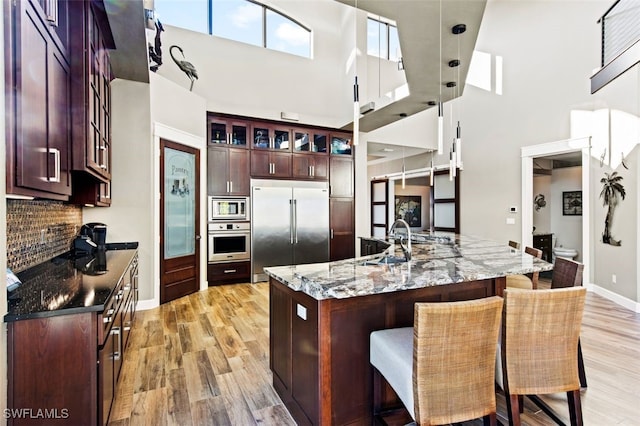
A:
<point x="528" y="153"/>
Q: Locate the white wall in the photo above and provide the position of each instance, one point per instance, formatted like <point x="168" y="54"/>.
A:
<point x="139" y="109"/>
<point x="567" y="230"/>
<point x="542" y="217"/>
<point x="237" y="78"/>
<point x="132" y="191"/>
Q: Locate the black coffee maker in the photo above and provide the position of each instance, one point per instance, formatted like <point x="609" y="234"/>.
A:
<point x="92" y="238"/>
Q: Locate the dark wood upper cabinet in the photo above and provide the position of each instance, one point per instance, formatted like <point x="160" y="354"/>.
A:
<point x="270" y="164"/>
<point x="90" y="41"/>
<point x="227" y="171"/>
<point x="37" y="89"/>
<point x="91" y="93"/>
<point x="313" y="167"/>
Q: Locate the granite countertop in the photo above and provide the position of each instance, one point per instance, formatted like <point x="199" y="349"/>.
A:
<point x="437" y="259"/>
<point x="68" y="285"/>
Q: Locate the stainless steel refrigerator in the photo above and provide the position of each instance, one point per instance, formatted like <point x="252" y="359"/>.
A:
<point x="289" y="224"/>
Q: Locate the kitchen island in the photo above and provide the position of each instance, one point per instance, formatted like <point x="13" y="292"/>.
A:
<point x="321" y="315"/>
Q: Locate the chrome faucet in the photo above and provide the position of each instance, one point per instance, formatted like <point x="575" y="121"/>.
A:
<point x="405" y="249"/>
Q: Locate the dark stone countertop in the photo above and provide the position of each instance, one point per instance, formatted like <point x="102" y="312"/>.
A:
<point x="68" y="285"/>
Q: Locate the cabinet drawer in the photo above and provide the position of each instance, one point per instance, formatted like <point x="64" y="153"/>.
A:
<point x="219" y="273"/>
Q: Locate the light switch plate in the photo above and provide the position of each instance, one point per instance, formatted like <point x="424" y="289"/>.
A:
<point x="511" y="221"/>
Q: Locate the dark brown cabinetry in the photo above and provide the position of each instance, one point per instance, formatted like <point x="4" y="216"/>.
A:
<point x="310" y="166"/>
<point x="270" y="164"/>
<point x="91" y="103"/>
<point x="341" y="200"/>
<point x="341" y="223"/>
<point x="230" y="272"/>
<point x="58" y="100"/>
<point x="69" y="364"/>
<point x="270" y="136"/>
<point x="370" y="246"/>
<point x="544" y="242"/>
<point x="227" y="171"/>
<point x="228" y="131"/>
<point x="37" y="92"/>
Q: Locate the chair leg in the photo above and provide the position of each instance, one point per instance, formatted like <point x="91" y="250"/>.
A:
<point x="513" y="410"/>
<point x="521" y="403"/>
<point x="581" y="373"/>
<point x="490" y="420"/>
<point x="575" y="407"/>
<point x="377" y="391"/>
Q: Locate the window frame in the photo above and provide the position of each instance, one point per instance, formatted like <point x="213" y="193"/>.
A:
<point x="387" y="37"/>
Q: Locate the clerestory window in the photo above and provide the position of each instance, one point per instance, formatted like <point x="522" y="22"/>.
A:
<point x="382" y="40"/>
<point x="241" y="20"/>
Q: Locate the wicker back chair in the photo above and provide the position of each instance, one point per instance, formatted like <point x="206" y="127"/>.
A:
<point x="545" y="323"/>
<point x="528" y="281"/>
<point x="568" y="273"/>
<point x="442" y="368"/>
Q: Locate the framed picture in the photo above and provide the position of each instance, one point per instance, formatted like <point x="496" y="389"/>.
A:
<point x="572" y="203"/>
<point x="408" y="208"/>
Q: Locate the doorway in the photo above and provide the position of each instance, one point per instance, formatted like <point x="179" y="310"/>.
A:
<point x="179" y="220"/>
<point x="580" y="146"/>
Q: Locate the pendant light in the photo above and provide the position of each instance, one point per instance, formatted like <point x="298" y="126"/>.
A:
<point x="457" y="30"/>
<point x="403" y="168"/>
<point x="433" y="170"/>
<point x="356" y="94"/>
<point x="440" y="112"/>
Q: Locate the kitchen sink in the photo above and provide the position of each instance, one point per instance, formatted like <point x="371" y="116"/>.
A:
<point x="386" y="260"/>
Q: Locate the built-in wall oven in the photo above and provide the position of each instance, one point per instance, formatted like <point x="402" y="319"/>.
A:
<point x="229" y="241"/>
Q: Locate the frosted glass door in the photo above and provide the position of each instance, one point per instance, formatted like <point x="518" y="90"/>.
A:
<point x="180" y="203"/>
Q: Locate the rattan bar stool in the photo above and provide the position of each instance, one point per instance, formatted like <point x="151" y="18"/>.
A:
<point x="539" y="347"/>
<point x="528" y="281"/>
<point x="442" y="369"/>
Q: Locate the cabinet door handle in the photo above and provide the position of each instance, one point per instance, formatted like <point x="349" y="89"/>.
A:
<point x="313" y="171"/>
<point x="230" y="271"/>
<point x="331" y="233"/>
<point x="118" y="351"/>
<point x="228" y="138"/>
<point x="231" y="186"/>
<point x="56" y="165"/>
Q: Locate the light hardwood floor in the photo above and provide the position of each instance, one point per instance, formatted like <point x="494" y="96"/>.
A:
<point x="204" y="360"/>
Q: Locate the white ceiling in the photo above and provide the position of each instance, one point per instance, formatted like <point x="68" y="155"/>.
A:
<point x="427" y="44"/>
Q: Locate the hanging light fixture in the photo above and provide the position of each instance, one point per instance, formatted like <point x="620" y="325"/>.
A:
<point x="356" y="94"/>
<point x="403" y="168"/>
<point x="457" y="30"/>
<point x="433" y="171"/>
<point x="440" y="112"/>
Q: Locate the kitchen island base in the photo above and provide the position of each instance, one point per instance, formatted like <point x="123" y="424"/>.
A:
<point x="319" y="349"/>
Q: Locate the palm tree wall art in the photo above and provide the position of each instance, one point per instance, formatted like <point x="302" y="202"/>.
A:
<point x="612" y="191"/>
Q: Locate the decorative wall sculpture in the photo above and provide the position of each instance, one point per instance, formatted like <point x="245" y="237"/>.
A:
<point x="612" y="192"/>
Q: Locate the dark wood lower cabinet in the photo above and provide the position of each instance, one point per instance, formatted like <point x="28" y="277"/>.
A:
<point x="319" y="349"/>
<point x="63" y="369"/>
<point x="342" y="228"/>
<point x="230" y="272"/>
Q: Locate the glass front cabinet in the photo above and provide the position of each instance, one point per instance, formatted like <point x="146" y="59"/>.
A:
<point x="273" y="137"/>
<point x="306" y="140"/>
<point x="228" y="132"/>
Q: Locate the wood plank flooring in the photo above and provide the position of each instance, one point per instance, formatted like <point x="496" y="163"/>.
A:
<point x="204" y="360"/>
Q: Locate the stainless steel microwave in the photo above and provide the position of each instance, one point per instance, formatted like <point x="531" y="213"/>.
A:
<point x="228" y="208"/>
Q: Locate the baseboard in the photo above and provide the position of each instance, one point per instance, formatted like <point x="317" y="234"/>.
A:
<point x="614" y="297"/>
<point x="144" y="305"/>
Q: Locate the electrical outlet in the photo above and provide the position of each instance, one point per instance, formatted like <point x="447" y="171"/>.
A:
<point x="613" y="278"/>
<point x="42" y="236"/>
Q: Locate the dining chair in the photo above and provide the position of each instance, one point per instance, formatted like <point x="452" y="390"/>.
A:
<point x="442" y="369"/>
<point x="568" y="273"/>
<point x="526" y="281"/>
<point x="545" y="323"/>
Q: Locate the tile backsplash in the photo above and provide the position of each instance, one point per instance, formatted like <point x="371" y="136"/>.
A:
<point x="39" y="230"/>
